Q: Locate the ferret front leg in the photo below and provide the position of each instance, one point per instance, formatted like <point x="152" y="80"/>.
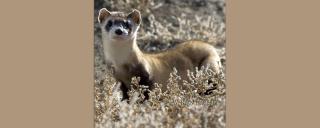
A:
<point x="124" y="90"/>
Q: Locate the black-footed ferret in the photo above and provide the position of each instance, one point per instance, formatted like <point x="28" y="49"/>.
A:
<point x="119" y="33"/>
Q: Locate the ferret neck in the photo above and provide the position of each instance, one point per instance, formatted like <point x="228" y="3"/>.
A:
<point x="121" y="54"/>
<point x="136" y="54"/>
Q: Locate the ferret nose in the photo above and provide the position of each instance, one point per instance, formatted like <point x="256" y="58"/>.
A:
<point x="118" y="32"/>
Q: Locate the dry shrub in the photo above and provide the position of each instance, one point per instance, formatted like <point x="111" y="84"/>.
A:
<point x="180" y="105"/>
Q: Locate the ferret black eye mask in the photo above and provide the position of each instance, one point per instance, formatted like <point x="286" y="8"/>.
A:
<point x="125" y="24"/>
<point x="109" y="25"/>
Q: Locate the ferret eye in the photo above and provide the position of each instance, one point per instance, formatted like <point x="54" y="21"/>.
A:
<point x="127" y="24"/>
<point x="109" y="24"/>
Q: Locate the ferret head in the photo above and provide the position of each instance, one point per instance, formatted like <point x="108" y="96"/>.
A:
<point x="119" y="26"/>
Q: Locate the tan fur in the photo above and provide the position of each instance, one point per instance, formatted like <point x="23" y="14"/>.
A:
<point x="185" y="56"/>
<point x="129" y="60"/>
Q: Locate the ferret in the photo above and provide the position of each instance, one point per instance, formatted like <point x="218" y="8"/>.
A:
<point x="119" y="34"/>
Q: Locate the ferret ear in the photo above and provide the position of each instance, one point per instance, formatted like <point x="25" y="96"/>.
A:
<point x="103" y="14"/>
<point x="135" y="16"/>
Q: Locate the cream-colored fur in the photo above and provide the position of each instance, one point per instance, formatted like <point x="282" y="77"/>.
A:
<point x="125" y="55"/>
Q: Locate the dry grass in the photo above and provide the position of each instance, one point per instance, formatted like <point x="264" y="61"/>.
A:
<point x="165" y="24"/>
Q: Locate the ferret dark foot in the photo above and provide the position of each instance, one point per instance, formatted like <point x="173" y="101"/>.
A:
<point x="125" y="91"/>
